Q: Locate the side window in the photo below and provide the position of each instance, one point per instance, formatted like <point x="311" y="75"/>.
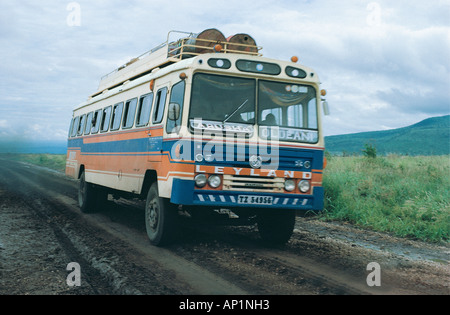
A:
<point x="81" y="125"/>
<point x="71" y="126"/>
<point x="160" y="104"/>
<point x="76" y="124"/>
<point x="312" y="114"/>
<point x="96" y="121"/>
<point x="116" y="116"/>
<point x="129" y="113"/>
<point x="176" y="96"/>
<point x="88" y="128"/>
<point x="106" y="117"/>
<point x="143" y="112"/>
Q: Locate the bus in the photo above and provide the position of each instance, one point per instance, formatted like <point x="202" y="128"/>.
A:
<point x="203" y="127"/>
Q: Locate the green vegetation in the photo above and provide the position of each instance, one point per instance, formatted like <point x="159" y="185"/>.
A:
<point x="53" y="161"/>
<point x="370" y="151"/>
<point x="403" y="195"/>
<point x="372" y="187"/>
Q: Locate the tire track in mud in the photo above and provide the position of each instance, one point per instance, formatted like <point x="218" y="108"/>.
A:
<point x="151" y="270"/>
<point x="241" y="257"/>
<point x="43" y="210"/>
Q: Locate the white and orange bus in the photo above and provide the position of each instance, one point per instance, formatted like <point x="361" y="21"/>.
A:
<point x="203" y="126"/>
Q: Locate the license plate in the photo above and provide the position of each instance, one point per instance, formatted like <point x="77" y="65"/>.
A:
<point x="255" y="200"/>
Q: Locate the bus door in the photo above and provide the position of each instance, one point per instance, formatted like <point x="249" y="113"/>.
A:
<point x="155" y="141"/>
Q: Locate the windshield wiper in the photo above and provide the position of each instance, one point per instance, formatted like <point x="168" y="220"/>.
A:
<point x="235" y="111"/>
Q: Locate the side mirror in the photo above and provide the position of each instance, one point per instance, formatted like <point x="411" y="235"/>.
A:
<point x="174" y="111"/>
<point x="326" y="109"/>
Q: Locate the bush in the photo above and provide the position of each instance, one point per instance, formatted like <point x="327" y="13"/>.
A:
<point x="370" y="151"/>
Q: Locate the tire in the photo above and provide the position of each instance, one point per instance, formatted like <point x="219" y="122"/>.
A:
<point x="90" y="198"/>
<point x="161" y="218"/>
<point x="276" y="226"/>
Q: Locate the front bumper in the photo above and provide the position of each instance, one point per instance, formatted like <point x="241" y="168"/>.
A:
<point x="184" y="193"/>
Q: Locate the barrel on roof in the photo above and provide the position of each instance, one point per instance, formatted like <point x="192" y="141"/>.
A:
<point x="241" y="42"/>
<point x="205" y="41"/>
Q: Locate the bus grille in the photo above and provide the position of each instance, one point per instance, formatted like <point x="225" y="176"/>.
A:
<point x="252" y="183"/>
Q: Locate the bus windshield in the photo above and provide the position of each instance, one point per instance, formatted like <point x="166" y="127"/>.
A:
<point x="287" y="105"/>
<point x="291" y="108"/>
<point x="221" y="100"/>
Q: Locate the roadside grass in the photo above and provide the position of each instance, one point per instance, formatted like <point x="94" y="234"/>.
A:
<point x="53" y="161"/>
<point x="404" y="195"/>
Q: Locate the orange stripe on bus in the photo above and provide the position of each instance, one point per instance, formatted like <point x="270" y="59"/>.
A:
<point x="127" y="135"/>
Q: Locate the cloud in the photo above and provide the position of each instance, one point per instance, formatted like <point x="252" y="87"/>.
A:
<point x="379" y="60"/>
<point x="3" y="124"/>
<point x="416" y="101"/>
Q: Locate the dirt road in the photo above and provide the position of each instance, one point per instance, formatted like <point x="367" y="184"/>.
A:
<point x="42" y="231"/>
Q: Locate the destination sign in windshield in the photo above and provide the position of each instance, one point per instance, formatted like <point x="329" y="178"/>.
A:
<point x="288" y="134"/>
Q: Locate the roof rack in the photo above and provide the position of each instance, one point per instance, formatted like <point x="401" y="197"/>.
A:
<point x="172" y="51"/>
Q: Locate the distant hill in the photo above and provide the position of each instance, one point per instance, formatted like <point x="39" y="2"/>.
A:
<point x="20" y="146"/>
<point x="428" y="137"/>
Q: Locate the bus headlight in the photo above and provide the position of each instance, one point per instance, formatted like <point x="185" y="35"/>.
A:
<point x="214" y="181"/>
<point x="289" y="185"/>
<point x="304" y="186"/>
<point x="200" y="180"/>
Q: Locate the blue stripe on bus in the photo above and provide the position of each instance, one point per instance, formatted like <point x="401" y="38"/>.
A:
<point x="286" y="158"/>
<point x="143" y="145"/>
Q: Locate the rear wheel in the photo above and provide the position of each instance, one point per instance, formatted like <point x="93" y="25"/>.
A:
<point x="161" y="218"/>
<point x="90" y="197"/>
<point x="276" y="227"/>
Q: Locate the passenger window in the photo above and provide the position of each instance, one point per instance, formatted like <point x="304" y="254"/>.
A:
<point x="81" y="126"/>
<point x="96" y="121"/>
<point x="129" y="113"/>
<point x="71" y="127"/>
<point x="106" y="117"/>
<point x="87" y="129"/>
<point x="160" y="104"/>
<point x="143" y="113"/>
<point x="116" y="117"/>
<point x="176" y="96"/>
<point x="76" y="123"/>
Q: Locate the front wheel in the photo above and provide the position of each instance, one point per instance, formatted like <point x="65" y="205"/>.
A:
<point x="161" y="218"/>
<point x="276" y="226"/>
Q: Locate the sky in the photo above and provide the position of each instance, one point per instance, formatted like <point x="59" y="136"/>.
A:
<point x="385" y="64"/>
